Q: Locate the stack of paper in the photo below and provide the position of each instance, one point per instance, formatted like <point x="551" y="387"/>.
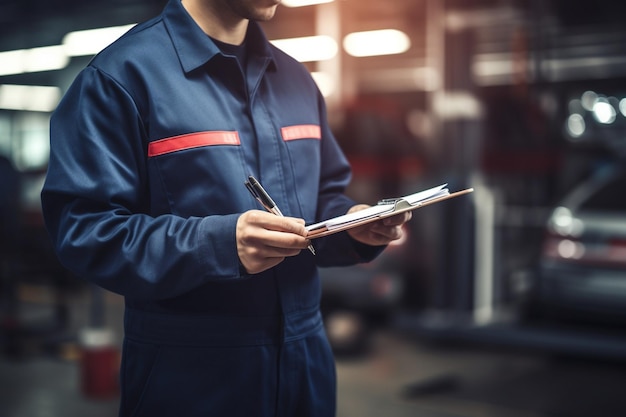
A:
<point x="384" y="208"/>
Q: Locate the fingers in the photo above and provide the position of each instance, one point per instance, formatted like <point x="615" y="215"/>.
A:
<point x="264" y="239"/>
<point x="381" y="232"/>
<point x="386" y="233"/>
<point x="398" y="219"/>
<point x="390" y="228"/>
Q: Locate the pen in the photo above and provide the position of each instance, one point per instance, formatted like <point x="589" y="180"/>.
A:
<point x="259" y="193"/>
<point x="262" y="196"/>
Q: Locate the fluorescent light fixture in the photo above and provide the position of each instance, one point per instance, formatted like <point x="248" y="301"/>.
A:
<point x="29" y="97"/>
<point x="376" y="42"/>
<point x="308" y="48"/>
<point x="300" y="3"/>
<point x="56" y="57"/>
<point x="92" y="41"/>
<point x="12" y="62"/>
<point x="46" y="58"/>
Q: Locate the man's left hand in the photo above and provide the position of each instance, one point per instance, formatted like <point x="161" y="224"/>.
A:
<point x="381" y="232"/>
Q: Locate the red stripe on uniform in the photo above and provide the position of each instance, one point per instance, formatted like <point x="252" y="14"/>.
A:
<point x="301" y="132"/>
<point x="192" y="140"/>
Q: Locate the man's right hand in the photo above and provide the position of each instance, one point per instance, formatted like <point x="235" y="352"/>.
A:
<point x="265" y="240"/>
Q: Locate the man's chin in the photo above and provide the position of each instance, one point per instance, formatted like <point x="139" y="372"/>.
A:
<point x="266" y="13"/>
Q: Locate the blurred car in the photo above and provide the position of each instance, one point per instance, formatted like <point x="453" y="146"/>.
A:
<point x="582" y="267"/>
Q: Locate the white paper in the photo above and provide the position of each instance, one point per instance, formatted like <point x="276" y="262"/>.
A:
<point x="380" y="209"/>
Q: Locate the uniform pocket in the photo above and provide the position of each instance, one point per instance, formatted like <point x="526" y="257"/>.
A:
<point x="199" y="174"/>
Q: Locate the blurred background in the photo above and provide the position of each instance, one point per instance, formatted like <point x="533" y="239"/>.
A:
<point x="508" y="302"/>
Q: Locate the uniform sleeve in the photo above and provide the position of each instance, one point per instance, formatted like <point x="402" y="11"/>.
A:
<point x="95" y="203"/>
<point x="338" y="249"/>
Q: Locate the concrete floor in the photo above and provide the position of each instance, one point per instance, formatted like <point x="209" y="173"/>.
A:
<point x="402" y="378"/>
<point x="399" y="376"/>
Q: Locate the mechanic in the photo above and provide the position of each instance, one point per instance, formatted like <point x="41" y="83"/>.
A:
<point x="145" y="197"/>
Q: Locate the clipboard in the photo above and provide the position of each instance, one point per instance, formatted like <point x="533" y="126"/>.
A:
<point x="384" y="208"/>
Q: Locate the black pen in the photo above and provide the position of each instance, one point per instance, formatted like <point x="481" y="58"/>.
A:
<point x="262" y="196"/>
<point x="259" y="193"/>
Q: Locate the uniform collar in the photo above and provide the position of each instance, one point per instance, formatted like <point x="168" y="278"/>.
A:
<point x="195" y="48"/>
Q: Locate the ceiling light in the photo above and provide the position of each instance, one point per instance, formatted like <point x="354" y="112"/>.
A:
<point x="308" y="48"/>
<point x="376" y="42"/>
<point x="588" y="100"/>
<point x="56" y="57"/>
<point x="92" y="41"/>
<point x="46" y="58"/>
<point x="29" y="97"/>
<point x="604" y="112"/>
<point x="576" y="125"/>
<point x="300" y="3"/>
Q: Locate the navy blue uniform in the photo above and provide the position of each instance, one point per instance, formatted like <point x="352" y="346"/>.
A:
<point x="151" y="146"/>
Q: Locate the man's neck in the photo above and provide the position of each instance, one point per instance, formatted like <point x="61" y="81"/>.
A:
<point x="217" y="21"/>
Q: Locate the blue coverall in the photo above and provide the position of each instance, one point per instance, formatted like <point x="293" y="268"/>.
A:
<point x="150" y="148"/>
